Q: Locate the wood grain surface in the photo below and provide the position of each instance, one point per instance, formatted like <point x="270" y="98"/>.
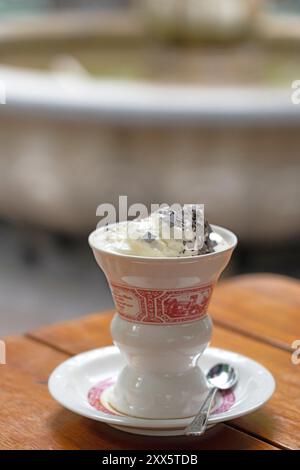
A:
<point x="257" y="315"/>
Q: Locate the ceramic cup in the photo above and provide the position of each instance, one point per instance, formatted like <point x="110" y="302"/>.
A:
<point x="161" y="327"/>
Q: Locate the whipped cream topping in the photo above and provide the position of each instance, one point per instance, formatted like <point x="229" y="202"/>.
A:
<point x="165" y="233"/>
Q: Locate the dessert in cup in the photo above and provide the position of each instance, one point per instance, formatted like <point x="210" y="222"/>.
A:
<point x="161" y="287"/>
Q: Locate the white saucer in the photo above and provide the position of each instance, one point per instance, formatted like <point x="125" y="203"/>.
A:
<point x="81" y="384"/>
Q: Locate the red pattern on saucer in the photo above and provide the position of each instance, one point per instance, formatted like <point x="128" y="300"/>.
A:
<point x="95" y="398"/>
<point x="163" y="306"/>
<point x="95" y="394"/>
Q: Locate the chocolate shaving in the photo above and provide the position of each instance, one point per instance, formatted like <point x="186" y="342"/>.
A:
<point x="208" y="245"/>
<point x="149" y="237"/>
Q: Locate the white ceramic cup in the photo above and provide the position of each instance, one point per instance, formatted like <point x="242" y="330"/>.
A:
<point x="161" y="327"/>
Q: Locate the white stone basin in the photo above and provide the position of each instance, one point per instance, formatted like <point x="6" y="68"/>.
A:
<point x="71" y="143"/>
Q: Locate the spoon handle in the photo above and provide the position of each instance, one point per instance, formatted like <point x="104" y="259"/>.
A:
<point x="198" y="426"/>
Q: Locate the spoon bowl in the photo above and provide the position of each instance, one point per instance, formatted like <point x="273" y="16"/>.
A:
<point x="222" y="376"/>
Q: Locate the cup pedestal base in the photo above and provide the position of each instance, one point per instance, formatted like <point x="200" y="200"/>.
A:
<point x="159" y="396"/>
<point x="161" y="379"/>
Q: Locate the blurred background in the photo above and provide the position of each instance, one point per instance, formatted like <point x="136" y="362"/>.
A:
<point x="173" y="101"/>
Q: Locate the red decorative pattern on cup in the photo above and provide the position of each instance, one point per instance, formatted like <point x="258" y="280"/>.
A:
<point x="163" y="306"/>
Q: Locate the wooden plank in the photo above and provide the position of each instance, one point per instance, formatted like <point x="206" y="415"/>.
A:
<point x="72" y="337"/>
<point x="266" y="307"/>
<point x="275" y="285"/>
<point x="21" y="354"/>
<point x="276" y="422"/>
<point x="31" y="419"/>
<point x="88" y="332"/>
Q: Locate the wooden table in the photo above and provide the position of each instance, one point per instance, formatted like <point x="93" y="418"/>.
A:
<point x="256" y="315"/>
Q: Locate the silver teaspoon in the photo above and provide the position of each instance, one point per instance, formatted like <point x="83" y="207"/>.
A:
<point x="220" y="377"/>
